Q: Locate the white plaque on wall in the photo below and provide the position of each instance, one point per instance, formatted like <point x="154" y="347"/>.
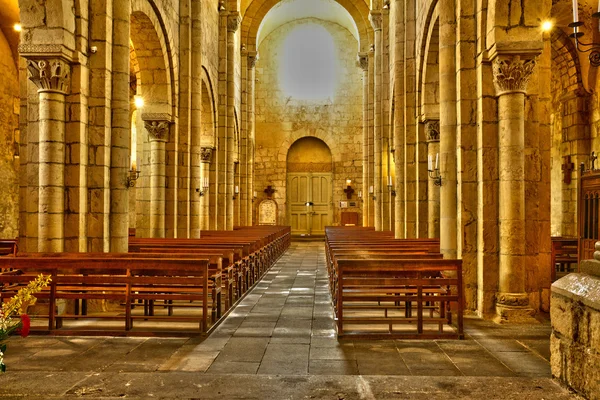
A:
<point x="267" y="212"/>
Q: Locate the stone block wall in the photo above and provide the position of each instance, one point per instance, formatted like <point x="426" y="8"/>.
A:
<point x="9" y="134"/>
<point x="281" y="119"/>
<point x="575" y="340"/>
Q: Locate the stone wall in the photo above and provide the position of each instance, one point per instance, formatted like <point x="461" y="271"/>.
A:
<point x="9" y="133"/>
<point x="575" y="340"/>
<point x="281" y="119"/>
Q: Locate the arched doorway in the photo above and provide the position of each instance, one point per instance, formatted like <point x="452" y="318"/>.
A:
<point x="309" y="189"/>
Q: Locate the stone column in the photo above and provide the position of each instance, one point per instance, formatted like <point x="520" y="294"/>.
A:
<point x="252" y="58"/>
<point x="447" y="164"/>
<point x="376" y="21"/>
<point x="233" y="23"/>
<point x="432" y="135"/>
<point x="205" y="160"/>
<point x="363" y="63"/>
<point x="511" y="74"/>
<point x="121" y="129"/>
<point x="158" y="132"/>
<point x="52" y="77"/>
<point x="195" y="189"/>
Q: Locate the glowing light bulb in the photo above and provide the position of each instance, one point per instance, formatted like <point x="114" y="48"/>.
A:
<point x="547" y="26"/>
<point x="139" y="102"/>
<point x="17" y="27"/>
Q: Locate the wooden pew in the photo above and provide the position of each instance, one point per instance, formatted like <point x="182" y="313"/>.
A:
<point x="371" y="293"/>
<point x="374" y="277"/>
<point x="564" y="255"/>
<point x="122" y="279"/>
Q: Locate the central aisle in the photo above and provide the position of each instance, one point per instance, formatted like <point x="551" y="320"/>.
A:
<point x="285" y="326"/>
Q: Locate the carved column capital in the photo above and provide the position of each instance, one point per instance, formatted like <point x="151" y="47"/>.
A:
<point x="432" y="128"/>
<point x="512" y="73"/>
<point x="363" y="61"/>
<point x="158" y="128"/>
<point x="206" y="154"/>
<point x="234" y="20"/>
<point x="376" y="19"/>
<point x="252" y="59"/>
<point x="50" y="74"/>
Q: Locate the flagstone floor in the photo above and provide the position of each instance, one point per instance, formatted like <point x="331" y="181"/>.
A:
<point x="280" y="343"/>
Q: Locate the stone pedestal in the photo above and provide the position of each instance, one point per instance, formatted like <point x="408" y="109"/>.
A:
<point x="575" y="339"/>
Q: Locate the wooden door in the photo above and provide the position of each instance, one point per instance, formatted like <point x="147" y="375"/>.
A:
<point x="309" y="199"/>
<point x="588" y="208"/>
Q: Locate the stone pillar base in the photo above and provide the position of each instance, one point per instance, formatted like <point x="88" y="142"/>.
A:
<point x="513" y="308"/>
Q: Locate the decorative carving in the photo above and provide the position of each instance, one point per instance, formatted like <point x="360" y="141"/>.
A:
<point x="269" y="191"/>
<point x="252" y="59"/>
<point x="568" y="167"/>
<point x="349" y="191"/>
<point x="157" y="130"/>
<point x="511" y="74"/>
<point x="433" y="130"/>
<point x="309" y="167"/>
<point x="363" y="61"/>
<point x="50" y="74"/>
<point x="267" y="212"/>
<point x="512" y="299"/>
<point x="233" y="22"/>
<point x="376" y="20"/>
<point x="206" y="154"/>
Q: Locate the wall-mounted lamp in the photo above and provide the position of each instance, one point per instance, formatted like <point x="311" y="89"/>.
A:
<point x="133" y="176"/>
<point x="360" y="195"/>
<point x="372" y="192"/>
<point x="584" y="47"/>
<point x="390" y="186"/>
<point x="254" y="196"/>
<point x="204" y="189"/>
<point x="17" y="27"/>
<point x="348" y="189"/>
<point x="236" y="191"/>
<point x="434" y="171"/>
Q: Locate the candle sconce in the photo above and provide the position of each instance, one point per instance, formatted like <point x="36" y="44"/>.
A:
<point x="236" y="191"/>
<point x="583" y="47"/>
<point x="204" y="189"/>
<point x="254" y="196"/>
<point x="434" y="171"/>
<point x="132" y="177"/>
<point x="359" y="195"/>
<point x="390" y="186"/>
<point x="372" y="192"/>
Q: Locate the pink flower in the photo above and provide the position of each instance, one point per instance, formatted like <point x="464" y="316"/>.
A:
<point x="25" y="325"/>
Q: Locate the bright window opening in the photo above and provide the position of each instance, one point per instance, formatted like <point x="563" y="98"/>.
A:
<point x="309" y="63"/>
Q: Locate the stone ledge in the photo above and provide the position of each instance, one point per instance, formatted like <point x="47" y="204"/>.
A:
<point x="579" y="287"/>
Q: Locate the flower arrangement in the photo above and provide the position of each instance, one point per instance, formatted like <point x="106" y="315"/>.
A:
<point x="12" y="317"/>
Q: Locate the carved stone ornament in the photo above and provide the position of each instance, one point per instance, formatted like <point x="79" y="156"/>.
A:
<point x="511" y="74"/>
<point x="252" y="59"/>
<point x="206" y="154"/>
<point x="363" y="61"/>
<point x="233" y="22"/>
<point x="376" y="20"/>
<point x="157" y="130"/>
<point x="512" y="299"/>
<point x="433" y="130"/>
<point x="50" y="74"/>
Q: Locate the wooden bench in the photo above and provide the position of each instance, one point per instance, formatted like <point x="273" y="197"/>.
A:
<point x="381" y="285"/>
<point x="121" y="279"/>
<point x="564" y="255"/>
<point x="372" y="293"/>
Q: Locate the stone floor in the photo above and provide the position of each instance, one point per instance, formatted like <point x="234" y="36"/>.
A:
<point x="280" y="343"/>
